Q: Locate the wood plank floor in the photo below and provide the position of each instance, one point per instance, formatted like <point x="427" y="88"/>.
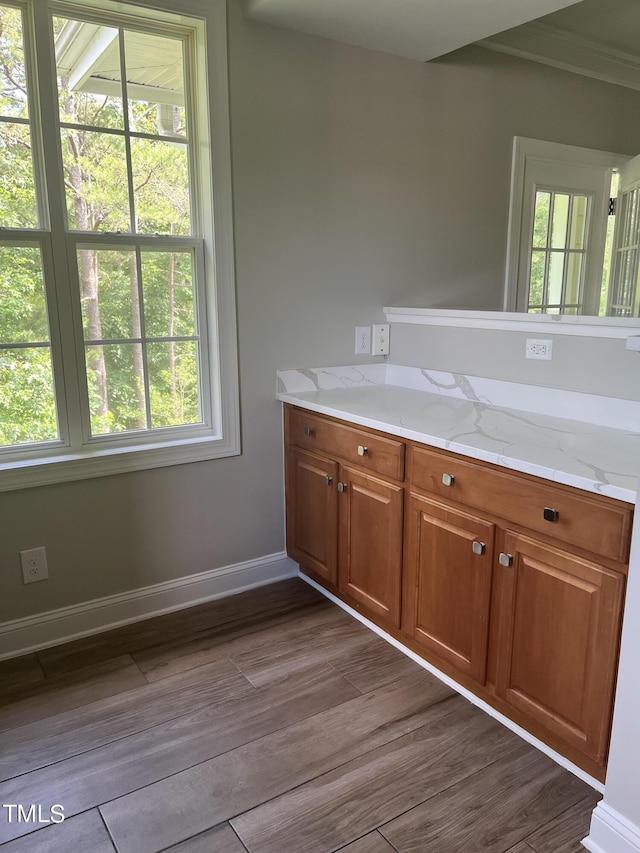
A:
<point x="270" y="722"/>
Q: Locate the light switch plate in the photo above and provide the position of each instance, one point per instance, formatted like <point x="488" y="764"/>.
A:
<point x="380" y="339"/>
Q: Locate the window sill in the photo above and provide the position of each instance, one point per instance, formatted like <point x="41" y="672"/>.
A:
<point x="65" y="467"/>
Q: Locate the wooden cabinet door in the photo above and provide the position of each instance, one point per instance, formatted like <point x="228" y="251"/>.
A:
<point x="370" y="536"/>
<point x="449" y="570"/>
<point x="559" y="630"/>
<point x="312" y="522"/>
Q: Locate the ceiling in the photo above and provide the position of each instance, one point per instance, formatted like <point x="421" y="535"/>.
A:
<point x="417" y="29"/>
<point x="611" y="23"/>
<point x="597" y="38"/>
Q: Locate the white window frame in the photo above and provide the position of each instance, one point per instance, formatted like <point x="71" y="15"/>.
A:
<point x="32" y="465"/>
<point x="550" y="156"/>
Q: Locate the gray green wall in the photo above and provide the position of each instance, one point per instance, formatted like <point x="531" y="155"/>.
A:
<point x="360" y="180"/>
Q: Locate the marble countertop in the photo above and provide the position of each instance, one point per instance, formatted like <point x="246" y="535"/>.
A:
<point x="451" y="415"/>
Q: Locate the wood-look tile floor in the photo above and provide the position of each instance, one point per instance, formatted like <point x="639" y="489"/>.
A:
<point x="269" y="722"/>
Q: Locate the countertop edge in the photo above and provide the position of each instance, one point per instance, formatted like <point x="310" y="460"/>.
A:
<point x="510" y="463"/>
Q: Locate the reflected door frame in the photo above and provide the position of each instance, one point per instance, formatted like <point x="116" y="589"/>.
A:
<point x="567" y="167"/>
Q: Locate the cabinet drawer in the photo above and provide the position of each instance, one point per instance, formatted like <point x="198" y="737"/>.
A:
<point x="360" y="447"/>
<point x="598" y="525"/>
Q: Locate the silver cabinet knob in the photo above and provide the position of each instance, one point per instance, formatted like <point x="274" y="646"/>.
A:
<point x="342" y="487"/>
<point x="550" y="514"/>
<point x="362" y="450"/>
<point x="328" y="480"/>
<point x="308" y="431"/>
<point x="448" y="479"/>
<point x="478" y="548"/>
<point x="505" y="559"/>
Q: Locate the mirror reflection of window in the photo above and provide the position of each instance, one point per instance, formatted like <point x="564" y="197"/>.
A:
<point x="624" y="289"/>
<point x="558" y="251"/>
<point x="574" y="248"/>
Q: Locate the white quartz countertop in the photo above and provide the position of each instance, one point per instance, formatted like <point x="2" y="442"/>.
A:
<point x="450" y="415"/>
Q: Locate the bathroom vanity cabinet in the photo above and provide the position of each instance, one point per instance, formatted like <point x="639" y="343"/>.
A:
<point x="511" y="584"/>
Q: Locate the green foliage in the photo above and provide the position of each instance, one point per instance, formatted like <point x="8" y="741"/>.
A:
<point x="95" y="168"/>
<point x="536" y="281"/>
<point x="174" y="389"/>
<point x="123" y="411"/>
<point x="13" y="98"/>
<point x="27" y="407"/>
<point x="163" y="319"/>
<point x="541" y="220"/>
<point x="23" y="313"/>
<point x="114" y="289"/>
<point x="17" y="189"/>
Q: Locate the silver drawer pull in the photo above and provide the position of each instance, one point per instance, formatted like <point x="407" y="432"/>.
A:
<point x="308" y="431"/>
<point x="342" y="487"/>
<point x="448" y="479"/>
<point x="478" y="548"/>
<point x="328" y="480"/>
<point x="362" y="450"/>
<point x="550" y="514"/>
<point x="505" y="559"/>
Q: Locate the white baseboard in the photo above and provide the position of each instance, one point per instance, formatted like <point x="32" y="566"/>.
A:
<point x="475" y="700"/>
<point x="611" y="832"/>
<point x="101" y="614"/>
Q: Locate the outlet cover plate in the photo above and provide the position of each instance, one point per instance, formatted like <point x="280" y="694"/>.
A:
<point x="541" y="349"/>
<point x="34" y="565"/>
<point x="363" y="340"/>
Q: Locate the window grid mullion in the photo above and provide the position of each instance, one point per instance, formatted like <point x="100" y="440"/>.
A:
<point x="143" y="332"/>
<point x="547" y="254"/>
<point x="7" y="119"/>
<point x="113" y="131"/>
<point x="176" y="339"/>
<point x="191" y="133"/>
<point x="25" y="345"/>
<point x="565" y="263"/>
<point x="119" y="241"/>
<point x="127" y="129"/>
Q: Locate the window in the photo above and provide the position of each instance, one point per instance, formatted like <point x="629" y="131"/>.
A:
<point x="117" y="324"/>
<point x="558" y="252"/>
<point x="560" y="228"/>
<point x="624" y="288"/>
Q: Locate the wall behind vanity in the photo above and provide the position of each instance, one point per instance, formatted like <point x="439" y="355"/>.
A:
<point x="599" y="366"/>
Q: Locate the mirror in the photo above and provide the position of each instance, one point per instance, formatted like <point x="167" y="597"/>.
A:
<point x="574" y="218"/>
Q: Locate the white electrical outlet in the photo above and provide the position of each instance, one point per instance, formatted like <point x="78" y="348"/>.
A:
<point x="363" y="340"/>
<point x="380" y="339"/>
<point x="34" y="565"/>
<point x="539" y="349"/>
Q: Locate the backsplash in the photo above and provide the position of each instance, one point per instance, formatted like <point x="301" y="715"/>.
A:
<point x="596" y="366"/>
<point x="620" y="414"/>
